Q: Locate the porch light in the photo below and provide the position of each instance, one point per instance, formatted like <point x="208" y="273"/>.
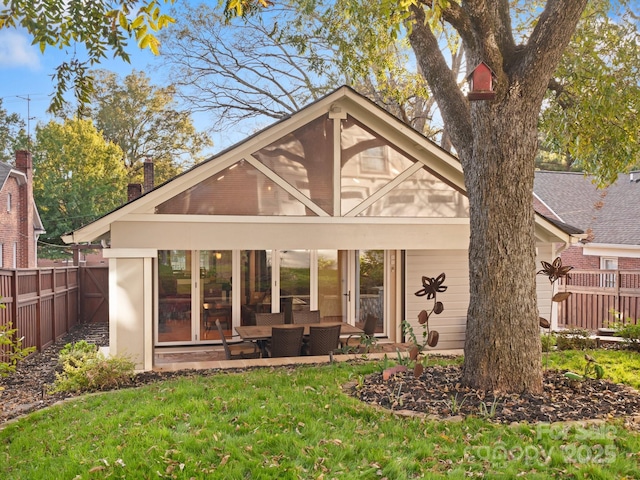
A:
<point x="218" y="255"/>
<point x="481" y="83"/>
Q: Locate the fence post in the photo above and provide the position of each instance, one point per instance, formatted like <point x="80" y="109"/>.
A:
<point x="38" y="310"/>
<point x="54" y="306"/>
<point x="14" y="304"/>
<point x="66" y="299"/>
<point x="618" y="299"/>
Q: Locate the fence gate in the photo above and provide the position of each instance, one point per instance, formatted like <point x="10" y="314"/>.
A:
<point x="94" y="299"/>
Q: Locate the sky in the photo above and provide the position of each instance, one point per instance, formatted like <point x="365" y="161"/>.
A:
<point x="26" y="84"/>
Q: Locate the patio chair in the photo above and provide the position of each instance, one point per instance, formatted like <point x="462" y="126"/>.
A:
<point x="323" y="339"/>
<point x="270" y="318"/>
<point x="303" y="317"/>
<point x="369" y="330"/>
<point x="210" y="314"/>
<point x="286" y="341"/>
<point x="237" y="350"/>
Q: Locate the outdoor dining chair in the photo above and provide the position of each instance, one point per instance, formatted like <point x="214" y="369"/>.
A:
<point x="237" y="350"/>
<point x="369" y="330"/>
<point x="270" y="318"/>
<point x="303" y="317"/>
<point x="286" y="341"/>
<point x="323" y="339"/>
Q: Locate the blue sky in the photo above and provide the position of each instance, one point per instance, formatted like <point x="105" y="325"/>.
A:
<point x="26" y="84"/>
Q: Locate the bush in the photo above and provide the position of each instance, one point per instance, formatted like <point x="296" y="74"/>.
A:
<point x="11" y="349"/>
<point x="77" y="352"/>
<point x="575" y="339"/>
<point x="548" y="341"/>
<point x="631" y="335"/>
<point x="84" y="368"/>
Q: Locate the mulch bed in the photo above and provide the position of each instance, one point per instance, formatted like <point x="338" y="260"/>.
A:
<point x="436" y="392"/>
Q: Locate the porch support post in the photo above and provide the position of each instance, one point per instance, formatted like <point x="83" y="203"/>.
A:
<point x="337" y="114"/>
<point x="148" y="313"/>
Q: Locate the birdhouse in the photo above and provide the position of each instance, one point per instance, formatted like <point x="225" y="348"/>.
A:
<point x="481" y="83"/>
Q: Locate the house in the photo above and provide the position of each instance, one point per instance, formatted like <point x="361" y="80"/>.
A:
<point x="339" y="208"/>
<point x="608" y="216"/>
<point x="20" y="224"/>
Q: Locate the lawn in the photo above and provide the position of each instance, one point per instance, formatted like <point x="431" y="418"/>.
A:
<point x="290" y="424"/>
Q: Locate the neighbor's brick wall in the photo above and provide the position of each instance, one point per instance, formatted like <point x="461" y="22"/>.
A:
<point x="27" y="247"/>
<point x="573" y="256"/>
<point x="17" y="225"/>
<point x="10" y="222"/>
<point x="628" y="263"/>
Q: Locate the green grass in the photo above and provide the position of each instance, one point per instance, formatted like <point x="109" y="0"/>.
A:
<point x="620" y="366"/>
<point x="291" y="424"/>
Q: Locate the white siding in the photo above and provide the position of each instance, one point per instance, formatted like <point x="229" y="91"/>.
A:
<point x="543" y="286"/>
<point x="452" y="321"/>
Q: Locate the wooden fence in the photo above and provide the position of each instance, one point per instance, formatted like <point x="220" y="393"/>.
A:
<point x="595" y="297"/>
<point x="41" y="303"/>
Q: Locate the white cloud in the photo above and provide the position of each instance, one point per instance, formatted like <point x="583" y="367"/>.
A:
<point x="16" y="51"/>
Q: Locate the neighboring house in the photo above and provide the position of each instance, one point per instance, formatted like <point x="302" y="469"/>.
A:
<point x="339" y="208"/>
<point x="609" y="217"/>
<point x="20" y="224"/>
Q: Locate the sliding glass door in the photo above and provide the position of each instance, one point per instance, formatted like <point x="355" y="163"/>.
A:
<point x="174" y="296"/>
<point x="214" y="293"/>
<point x="196" y="288"/>
<point x="370" y="278"/>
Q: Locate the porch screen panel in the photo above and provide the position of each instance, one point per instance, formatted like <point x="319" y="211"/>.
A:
<point x="174" y="295"/>
<point x="331" y="288"/>
<point x="370" y="267"/>
<point x="240" y="189"/>
<point x="215" y="293"/>
<point x="304" y="159"/>
<point x="368" y="162"/>
<point x="255" y="281"/>
<point x="421" y="195"/>
<point x="295" y="282"/>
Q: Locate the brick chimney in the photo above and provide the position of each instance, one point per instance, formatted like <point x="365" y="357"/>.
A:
<point x="149" y="179"/>
<point x="134" y="190"/>
<point x="26" y="255"/>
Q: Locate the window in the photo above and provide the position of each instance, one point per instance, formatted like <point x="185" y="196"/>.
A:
<point x="14" y="263"/>
<point x="1" y="255"/>
<point x="608" y="263"/>
<point x="373" y="160"/>
<point x="8" y="202"/>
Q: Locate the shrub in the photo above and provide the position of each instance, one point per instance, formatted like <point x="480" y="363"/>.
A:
<point x="84" y="368"/>
<point x="11" y="349"/>
<point x="631" y="335"/>
<point x="77" y="352"/>
<point x="575" y="339"/>
<point x="548" y="341"/>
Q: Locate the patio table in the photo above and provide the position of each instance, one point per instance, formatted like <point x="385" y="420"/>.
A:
<point x="256" y="333"/>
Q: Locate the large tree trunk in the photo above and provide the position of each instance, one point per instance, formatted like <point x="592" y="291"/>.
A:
<point x="502" y="346"/>
<point x="496" y="141"/>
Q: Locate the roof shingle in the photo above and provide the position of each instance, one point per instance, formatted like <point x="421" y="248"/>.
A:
<point x="609" y="215"/>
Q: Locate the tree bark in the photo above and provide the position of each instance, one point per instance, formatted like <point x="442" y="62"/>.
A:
<point x="496" y="142"/>
<point x="502" y="345"/>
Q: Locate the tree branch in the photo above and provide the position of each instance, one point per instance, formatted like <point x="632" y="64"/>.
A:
<point x="453" y="105"/>
<point x="547" y="42"/>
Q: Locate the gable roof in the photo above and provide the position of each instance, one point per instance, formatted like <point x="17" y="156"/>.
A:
<point x="340" y="104"/>
<point x="608" y="215"/>
<point x="7" y="171"/>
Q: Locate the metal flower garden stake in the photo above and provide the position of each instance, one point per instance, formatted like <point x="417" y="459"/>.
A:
<point x="431" y="287"/>
<point x="554" y="271"/>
